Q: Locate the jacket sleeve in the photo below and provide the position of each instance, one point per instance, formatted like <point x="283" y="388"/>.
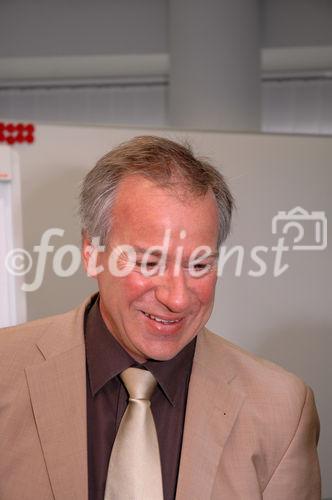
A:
<point x="297" y="476"/>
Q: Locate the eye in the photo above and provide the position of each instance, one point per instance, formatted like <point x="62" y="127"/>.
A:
<point x="200" y="269"/>
<point x="149" y="265"/>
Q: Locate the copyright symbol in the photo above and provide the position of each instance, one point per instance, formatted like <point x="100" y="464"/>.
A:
<point x="18" y="262"/>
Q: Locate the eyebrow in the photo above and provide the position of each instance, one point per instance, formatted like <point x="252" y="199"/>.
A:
<point x="214" y="254"/>
<point x="157" y="253"/>
<point x="144" y="250"/>
<point x="210" y="256"/>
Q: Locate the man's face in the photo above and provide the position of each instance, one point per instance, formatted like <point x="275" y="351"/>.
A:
<point x="156" y="316"/>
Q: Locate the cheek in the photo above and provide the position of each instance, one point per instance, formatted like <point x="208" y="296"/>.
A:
<point x="129" y="285"/>
<point x="204" y="290"/>
<point x="134" y="286"/>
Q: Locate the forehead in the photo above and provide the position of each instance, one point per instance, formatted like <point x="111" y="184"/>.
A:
<point x="142" y="206"/>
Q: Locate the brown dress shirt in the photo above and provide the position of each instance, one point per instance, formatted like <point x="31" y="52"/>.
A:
<point x="107" y="401"/>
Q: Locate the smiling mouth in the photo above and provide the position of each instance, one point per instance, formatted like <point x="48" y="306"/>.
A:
<point x="161" y="320"/>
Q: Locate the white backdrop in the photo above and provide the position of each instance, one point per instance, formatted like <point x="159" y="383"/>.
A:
<point x="287" y="319"/>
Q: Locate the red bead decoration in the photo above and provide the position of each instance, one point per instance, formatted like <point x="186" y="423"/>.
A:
<point x="12" y="133"/>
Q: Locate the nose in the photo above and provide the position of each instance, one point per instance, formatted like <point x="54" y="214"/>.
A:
<point x="173" y="292"/>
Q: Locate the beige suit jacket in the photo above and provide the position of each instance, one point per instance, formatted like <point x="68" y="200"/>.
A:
<point x="250" y="430"/>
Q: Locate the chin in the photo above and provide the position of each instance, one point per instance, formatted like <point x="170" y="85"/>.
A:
<point x="162" y="354"/>
<point x="163" y="357"/>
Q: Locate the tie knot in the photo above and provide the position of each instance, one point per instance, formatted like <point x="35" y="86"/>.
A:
<point x="140" y="384"/>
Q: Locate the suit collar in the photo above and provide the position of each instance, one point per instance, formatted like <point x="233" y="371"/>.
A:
<point x="212" y="407"/>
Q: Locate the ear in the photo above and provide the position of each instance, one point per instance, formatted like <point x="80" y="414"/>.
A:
<point x="90" y="251"/>
<point x="86" y="250"/>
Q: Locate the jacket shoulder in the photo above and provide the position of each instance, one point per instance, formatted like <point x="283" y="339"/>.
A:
<point x="257" y="378"/>
<point x="29" y="332"/>
<point x="277" y="425"/>
<point x="276" y="403"/>
<point x="33" y="342"/>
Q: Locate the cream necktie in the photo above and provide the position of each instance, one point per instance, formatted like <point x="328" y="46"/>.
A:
<point x="134" y="471"/>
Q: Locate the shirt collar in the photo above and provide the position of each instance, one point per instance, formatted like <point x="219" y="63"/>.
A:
<point x="106" y="358"/>
<point x="171" y="374"/>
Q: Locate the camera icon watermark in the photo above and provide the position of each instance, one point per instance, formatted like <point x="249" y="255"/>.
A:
<point x="311" y="228"/>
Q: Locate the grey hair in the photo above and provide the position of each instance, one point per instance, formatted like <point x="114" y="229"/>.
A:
<point x="165" y="162"/>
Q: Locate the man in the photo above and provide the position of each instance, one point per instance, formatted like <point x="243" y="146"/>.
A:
<point x="215" y="423"/>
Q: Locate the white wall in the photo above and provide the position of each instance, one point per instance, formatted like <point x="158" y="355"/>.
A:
<point x="286" y="319"/>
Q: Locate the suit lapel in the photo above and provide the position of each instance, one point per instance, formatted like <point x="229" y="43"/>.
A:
<point x="212" y="407"/>
<point x="58" y="396"/>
